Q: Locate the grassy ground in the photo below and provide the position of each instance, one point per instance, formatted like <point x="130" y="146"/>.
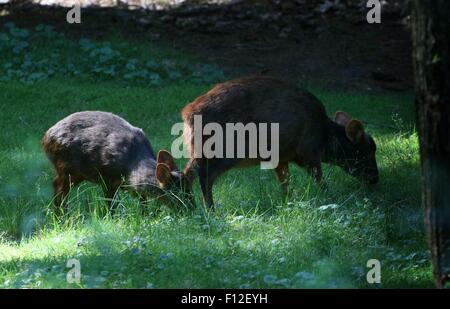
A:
<point x="316" y="238"/>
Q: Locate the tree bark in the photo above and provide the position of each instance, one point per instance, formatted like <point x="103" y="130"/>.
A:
<point x="431" y="52"/>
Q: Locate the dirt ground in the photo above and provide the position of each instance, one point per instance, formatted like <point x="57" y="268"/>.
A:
<point x="333" y="49"/>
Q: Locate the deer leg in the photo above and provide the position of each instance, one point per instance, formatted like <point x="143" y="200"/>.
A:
<point x="61" y="185"/>
<point x="208" y="172"/>
<point x="312" y="164"/>
<point x="191" y="170"/>
<point x="206" y="182"/>
<point x="282" y="173"/>
<point x="315" y="170"/>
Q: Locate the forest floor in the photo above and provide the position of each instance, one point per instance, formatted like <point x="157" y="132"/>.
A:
<point x="299" y="40"/>
<point x="146" y="72"/>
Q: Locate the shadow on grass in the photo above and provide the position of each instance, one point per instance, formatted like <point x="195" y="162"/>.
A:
<point x="159" y="263"/>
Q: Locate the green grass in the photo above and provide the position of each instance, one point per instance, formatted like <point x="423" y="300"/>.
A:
<point x="317" y="238"/>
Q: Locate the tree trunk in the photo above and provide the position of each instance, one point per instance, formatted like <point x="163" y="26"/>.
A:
<point x="431" y="52"/>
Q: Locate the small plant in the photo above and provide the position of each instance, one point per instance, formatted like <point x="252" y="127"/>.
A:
<point x="99" y="61"/>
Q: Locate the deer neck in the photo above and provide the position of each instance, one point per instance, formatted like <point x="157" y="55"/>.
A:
<point x="336" y="144"/>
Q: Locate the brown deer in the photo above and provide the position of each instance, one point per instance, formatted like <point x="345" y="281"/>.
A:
<point x="103" y="148"/>
<point x="307" y="136"/>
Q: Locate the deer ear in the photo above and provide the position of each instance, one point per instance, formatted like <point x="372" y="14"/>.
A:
<point x="354" y="131"/>
<point x="165" y="157"/>
<point x="163" y="174"/>
<point x="342" y="118"/>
